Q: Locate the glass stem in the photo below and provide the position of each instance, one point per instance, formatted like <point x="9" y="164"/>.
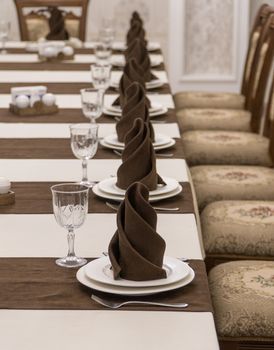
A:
<point x="71" y="236"/>
<point x="85" y="170"/>
<point x="102" y="95"/>
<point x="3" y="45"/>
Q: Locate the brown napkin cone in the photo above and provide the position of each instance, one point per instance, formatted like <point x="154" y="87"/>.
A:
<point x="135" y="106"/>
<point x="135" y="17"/>
<point x="57" y="25"/>
<point x="271" y="142"/>
<point x="136" y="250"/>
<point x="139" y="161"/>
<point x="137" y="49"/>
<point x="132" y="72"/>
<point x="136" y="30"/>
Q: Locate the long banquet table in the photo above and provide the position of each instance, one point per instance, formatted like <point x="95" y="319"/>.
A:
<point x="43" y="306"/>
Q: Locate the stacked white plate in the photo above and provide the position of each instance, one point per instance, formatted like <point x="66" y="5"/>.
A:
<point x="120" y="61"/>
<point x="98" y="275"/>
<point x="108" y="189"/>
<point x="121" y="46"/>
<point x="161" y="142"/>
<point x="155" y="110"/>
<point x="150" y="85"/>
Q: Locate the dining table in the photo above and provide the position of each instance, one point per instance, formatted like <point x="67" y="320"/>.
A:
<point x="42" y="305"/>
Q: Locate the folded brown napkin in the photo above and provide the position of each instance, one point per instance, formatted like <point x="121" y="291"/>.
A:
<point x="57" y="25"/>
<point x="139" y="161"/>
<point x="137" y="49"/>
<point x="136" y="17"/>
<point x="132" y="72"/>
<point x="135" y="106"/>
<point x="136" y="250"/>
<point x="136" y="30"/>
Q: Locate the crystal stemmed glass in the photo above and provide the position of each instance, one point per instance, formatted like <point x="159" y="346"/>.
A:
<point x="84" y="145"/>
<point x="4" y="32"/>
<point x="100" y="74"/>
<point x="107" y="32"/>
<point x="102" y="53"/>
<point x="70" y="207"/>
<point x="91" y="103"/>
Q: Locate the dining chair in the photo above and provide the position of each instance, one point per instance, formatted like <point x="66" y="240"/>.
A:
<point x="235" y="119"/>
<point x="208" y="147"/>
<point x="225" y="100"/>
<point x="242" y="297"/>
<point x="33" y="22"/>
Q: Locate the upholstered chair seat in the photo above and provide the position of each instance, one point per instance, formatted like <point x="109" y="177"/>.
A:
<point x="239" y="228"/>
<point x="231" y="182"/>
<point x="204" y="147"/>
<point x="214" y="119"/>
<point x="223" y="100"/>
<point x="242" y="294"/>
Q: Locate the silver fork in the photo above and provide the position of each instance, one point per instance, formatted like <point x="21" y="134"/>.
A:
<point x="115" y="207"/>
<point x="168" y="155"/>
<point x="114" y="305"/>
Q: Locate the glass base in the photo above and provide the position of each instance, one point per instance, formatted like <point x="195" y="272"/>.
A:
<point x="88" y="183"/>
<point x="71" y="261"/>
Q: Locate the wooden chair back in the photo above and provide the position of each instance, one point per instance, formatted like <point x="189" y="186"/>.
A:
<point x="33" y="22"/>
<point x="262" y="14"/>
<point x="260" y="76"/>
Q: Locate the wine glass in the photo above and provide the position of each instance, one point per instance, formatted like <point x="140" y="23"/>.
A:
<point x="100" y="74"/>
<point x="107" y="32"/>
<point x="91" y="103"/>
<point x="4" y="33"/>
<point x="84" y="145"/>
<point x="70" y="207"/>
<point x="102" y="53"/>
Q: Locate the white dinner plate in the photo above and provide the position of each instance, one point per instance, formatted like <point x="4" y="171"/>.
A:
<point x="99" y="270"/>
<point x="118" y="198"/>
<point x="109" y="186"/>
<point x="120" y="61"/>
<point x="83" y="279"/>
<point x="160" y="140"/>
<point x="121" y="148"/>
<point x="153" y="84"/>
<point x="121" y="46"/>
<point x="117" y="112"/>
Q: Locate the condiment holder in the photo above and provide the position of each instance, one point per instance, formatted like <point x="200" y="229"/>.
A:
<point x="7" y="197"/>
<point x="51" y="51"/>
<point x="32" y="100"/>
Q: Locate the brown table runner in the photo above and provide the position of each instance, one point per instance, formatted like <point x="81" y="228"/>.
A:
<point x="81" y="50"/>
<point x="36" y="198"/>
<point x="55" y="66"/>
<point x="38" y="283"/>
<point x="55" y="148"/>
<point x="70" y="88"/>
<point x="66" y="115"/>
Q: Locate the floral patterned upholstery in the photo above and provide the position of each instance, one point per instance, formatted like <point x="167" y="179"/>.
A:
<point x="224" y="100"/>
<point x="214" y="119"/>
<point x="226" y="147"/>
<point x="243" y="296"/>
<point x="230" y="182"/>
<point x="243" y="228"/>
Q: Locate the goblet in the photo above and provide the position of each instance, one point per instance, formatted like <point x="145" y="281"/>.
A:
<point x="100" y="74"/>
<point x="70" y="207"/>
<point x="84" y="145"/>
<point x="107" y="32"/>
<point x="91" y="103"/>
<point x="102" y="53"/>
<point x="4" y="33"/>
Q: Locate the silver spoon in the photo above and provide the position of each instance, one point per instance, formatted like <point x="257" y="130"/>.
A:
<point x="115" y="207"/>
<point x="114" y="305"/>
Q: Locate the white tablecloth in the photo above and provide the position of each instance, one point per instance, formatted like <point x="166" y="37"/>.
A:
<point x="70" y="169"/>
<point x="47" y="76"/>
